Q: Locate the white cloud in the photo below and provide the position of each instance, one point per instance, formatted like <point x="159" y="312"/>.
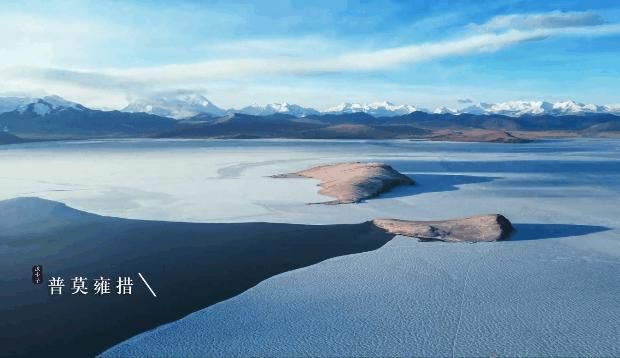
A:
<point x="43" y="41"/>
<point x="243" y="68"/>
<point x="307" y="57"/>
<point x="551" y="20"/>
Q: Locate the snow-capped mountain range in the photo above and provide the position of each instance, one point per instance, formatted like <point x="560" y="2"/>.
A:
<point x="273" y="108"/>
<point x="189" y="105"/>
<point x="186" y="106"/>
<point x="519" y="108"/>
<point x="376" y="109"/>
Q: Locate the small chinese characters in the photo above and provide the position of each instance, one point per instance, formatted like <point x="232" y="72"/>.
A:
<point x="78" y="285"/>
<point x="37" y="274"/>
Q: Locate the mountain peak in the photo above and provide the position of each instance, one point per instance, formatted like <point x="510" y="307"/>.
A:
<point x="57" y="101"/>
<point x="444" y="110"/>
<point x="175" y="106"/>
<point x="44" y="106"/>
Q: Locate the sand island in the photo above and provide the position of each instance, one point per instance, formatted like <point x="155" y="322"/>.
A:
<point x="482" y="228"/>
<point x="353" y="182"/>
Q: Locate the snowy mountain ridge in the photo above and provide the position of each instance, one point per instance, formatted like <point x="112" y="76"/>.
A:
<point x="182" y="106"/>
<point x="519" y="108"/>
<point x="383" y="109"/>
<point x="273" y="108"/>
<point x="377" y="109"/>
<point x="39" y="106"/>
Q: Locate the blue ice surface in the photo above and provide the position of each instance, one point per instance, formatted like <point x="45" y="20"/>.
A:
<point x="525" y="298"/>
<point x="553" y="290"/>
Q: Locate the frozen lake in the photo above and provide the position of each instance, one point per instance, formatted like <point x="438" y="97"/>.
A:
<point x="226" y="181"/>
<point x="554" y="290"/>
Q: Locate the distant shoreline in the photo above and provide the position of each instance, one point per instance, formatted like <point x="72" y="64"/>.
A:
<point x="474" y="136"/>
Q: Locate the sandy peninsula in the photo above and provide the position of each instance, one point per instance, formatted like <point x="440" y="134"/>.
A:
<point x="483" y="228"/>
<point x="353" y="182"/>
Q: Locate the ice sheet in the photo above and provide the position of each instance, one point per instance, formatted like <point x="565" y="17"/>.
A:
<point x="553" y="292"/>
<point x="527" y="298"/>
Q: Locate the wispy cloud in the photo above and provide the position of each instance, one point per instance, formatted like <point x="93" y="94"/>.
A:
<point x="236" y="68"/>
<point x="305" y="57"/>
<point x="551" y="20"/>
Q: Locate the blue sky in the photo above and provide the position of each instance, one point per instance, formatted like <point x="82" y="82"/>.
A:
<point x="319" y="53"/>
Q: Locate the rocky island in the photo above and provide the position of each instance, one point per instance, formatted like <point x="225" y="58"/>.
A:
<point x="483" y="228"/>
<point x="353" y="182"/>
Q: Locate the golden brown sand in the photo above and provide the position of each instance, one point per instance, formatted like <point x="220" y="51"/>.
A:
<point x="353" y="182"/>
<point x="483" y="228"/>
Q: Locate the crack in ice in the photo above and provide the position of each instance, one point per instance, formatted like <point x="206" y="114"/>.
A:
<point x="461" y="304"/>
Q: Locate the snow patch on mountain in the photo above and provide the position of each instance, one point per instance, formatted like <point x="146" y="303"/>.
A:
<point x="175" y="106"/>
